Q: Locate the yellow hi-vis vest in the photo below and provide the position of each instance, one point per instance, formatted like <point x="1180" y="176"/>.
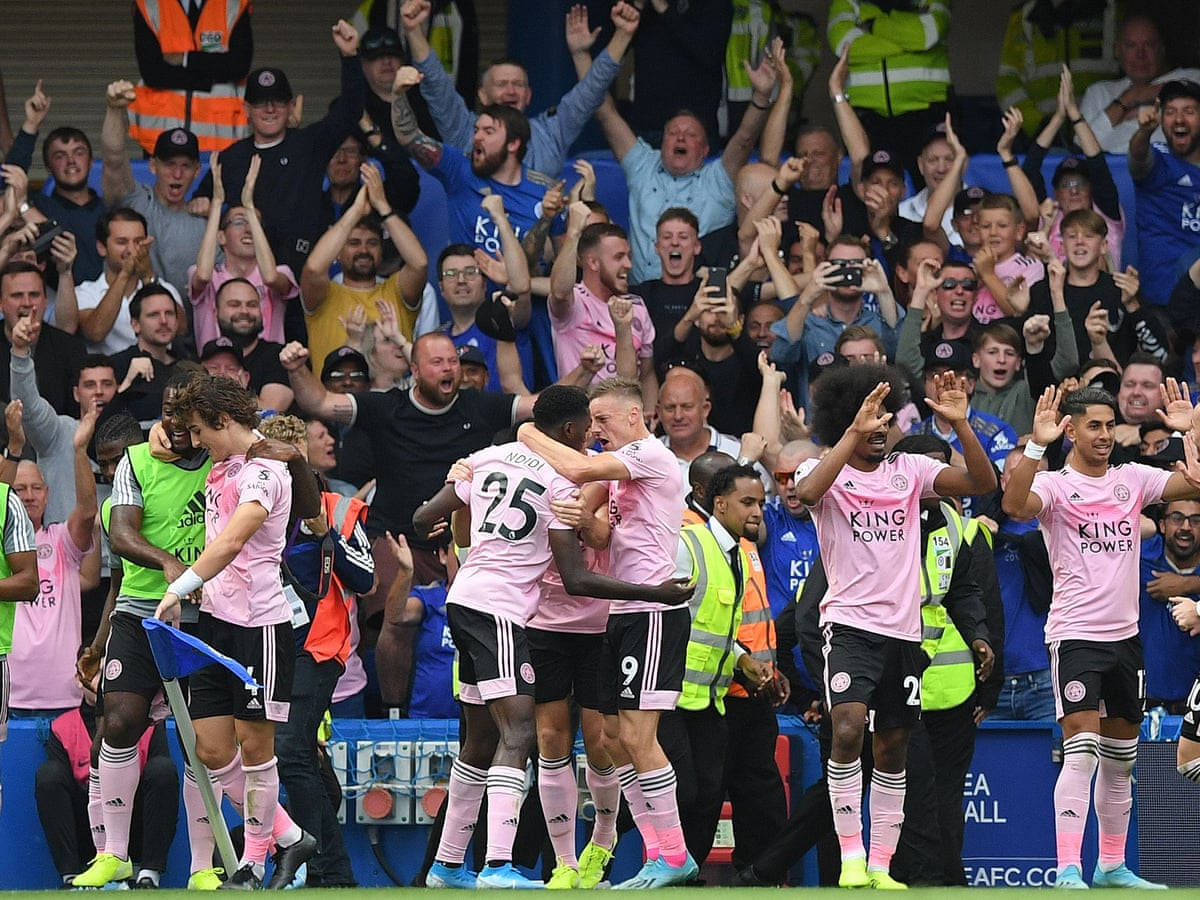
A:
<point x="716" y="608"/>
<point x="898" y="58"/>
<point x="950" y="678"/>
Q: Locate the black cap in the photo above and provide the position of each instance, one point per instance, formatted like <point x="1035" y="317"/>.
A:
<point x="881" y="159"/>
<point x="1106" y="379"/>
<point x="1072" y="165"/>
<point x="177" y="142"/>
<point x="340" y="355"/>
<point x="966" y="198"/>
<point x="379" y="42"/>
<point x="268" y="84"/>
<point x="493" y="320"/>
<point x="470" y="355"/>
<point x="1183" y="87"/>
<point x="936" y="133"/>
<point x="222" y="345"/>
<point x="952" y="355"/>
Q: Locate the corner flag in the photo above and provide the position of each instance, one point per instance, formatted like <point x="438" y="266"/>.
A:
<point x="178" y="654"/>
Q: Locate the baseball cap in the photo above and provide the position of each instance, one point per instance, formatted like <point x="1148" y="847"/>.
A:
<point x="966" y="198"/>
<point x="379" y="42"/>
<point x="222" y="345"/>
<point x="342" y="354"/>
<point x="470" y="355"/>
<point x="1183" y="87"/>
<point x="823" y="363"/>
<point x="1072" y="165"/>
<point x="881" y="159"/>
<point x="952" y="355"/>
<point x="936" y="133"/>
<point x="493" y="320"/>
<point x="268" y="84"/>
<point x="177" y="142"/>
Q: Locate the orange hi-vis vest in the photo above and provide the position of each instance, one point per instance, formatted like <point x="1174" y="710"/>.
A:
<point x="216" y="117"/>
<point x="329" y="634"/>
<point x="757" y="631"/>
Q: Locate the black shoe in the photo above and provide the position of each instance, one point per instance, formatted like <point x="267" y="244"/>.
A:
<point x="145" y="883"/>
<point x="243" y="879"/>
<point x="747" y="877"/>
<point x="289" y="859"/>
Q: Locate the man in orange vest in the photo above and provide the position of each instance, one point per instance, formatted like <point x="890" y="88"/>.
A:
<point x="752" y="780"/>
<point x="193" y="56"/>
<point x="327" y="560"/>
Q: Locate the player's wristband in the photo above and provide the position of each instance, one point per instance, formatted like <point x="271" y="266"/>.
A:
<point x="1034" y="451"/>
<point x="186" y="583"/>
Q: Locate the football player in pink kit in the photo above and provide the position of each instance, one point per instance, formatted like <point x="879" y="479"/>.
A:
<point x="645" y="644"/>
<point x="514" y="534"/>
<point x="865" y="504"/>
<point x="1089" y="514"/>
<point x="566" y="643"/>
<point x="245" y="615"/>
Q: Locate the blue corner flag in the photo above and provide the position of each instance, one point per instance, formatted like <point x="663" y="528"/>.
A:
<point x="177" y="654"/>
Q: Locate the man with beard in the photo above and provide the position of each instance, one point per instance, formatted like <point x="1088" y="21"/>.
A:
<point x="239" y="319"/>
<point x="1168" y="576"/>
<point x="143" y="369"/>
<point x="710" y="339"/>
<point x="414" y="433"/>
<point x="174" y="164"/>
<point x="506" y="83"/>
<point x="238" y="231"/>
<point x="495" y="166"/>
<point x="356" y="241"/>
<point x="1167" y="185"/>
<point x="802" y="339"/>
<point x="1089" y="512"/>
<point x="583" y="312"/>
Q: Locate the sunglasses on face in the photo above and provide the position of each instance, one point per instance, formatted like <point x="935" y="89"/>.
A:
<point x="784" y="477"/>
<point x="967" y="284"/>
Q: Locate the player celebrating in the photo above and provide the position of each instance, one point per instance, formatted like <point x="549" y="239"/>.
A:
<point x="865" y="505"/>
<point x="645" y="644"/>
<point x="1089" y="514"/>
<point x="244" y="614"/>
<point x="513" y="535"/>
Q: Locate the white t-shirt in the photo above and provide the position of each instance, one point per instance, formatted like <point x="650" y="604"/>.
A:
<point x="1099" y="96"/>
<point x="120" y="336"/>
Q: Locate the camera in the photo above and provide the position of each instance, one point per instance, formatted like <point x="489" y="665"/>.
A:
<point x="846" y="273"/>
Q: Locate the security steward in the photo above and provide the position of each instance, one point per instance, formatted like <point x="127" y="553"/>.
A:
<point x="695" y="734"/>
<point x="752" y="780"/>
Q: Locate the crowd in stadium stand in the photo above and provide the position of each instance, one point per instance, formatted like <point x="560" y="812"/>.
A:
<point x="396" y="278"/>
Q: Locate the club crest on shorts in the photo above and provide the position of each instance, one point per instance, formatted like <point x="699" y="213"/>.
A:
<point x="112" y="671"/>
<point x="839" y="682"/>
<point x="527" y="673"/>
<point x="1074" y="691"/>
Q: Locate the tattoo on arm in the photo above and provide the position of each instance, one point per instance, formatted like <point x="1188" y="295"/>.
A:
<point x="423" y="148"/>
<point x="534" y="242"/>
<point x="341" y="409"/>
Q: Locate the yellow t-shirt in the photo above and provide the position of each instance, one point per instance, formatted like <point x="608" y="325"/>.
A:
<point x="325" y="332"/>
